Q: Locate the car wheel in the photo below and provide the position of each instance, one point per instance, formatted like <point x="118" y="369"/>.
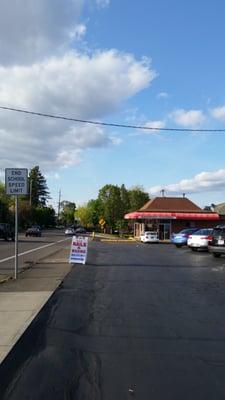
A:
<point x="217" y="255"/>
<point x="178" y="245"/>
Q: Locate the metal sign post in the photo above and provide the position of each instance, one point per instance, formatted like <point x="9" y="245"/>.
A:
<point x="16" y="237"/>
<point x="16" y="184"/>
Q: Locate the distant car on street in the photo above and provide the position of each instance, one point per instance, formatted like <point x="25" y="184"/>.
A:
<point x="80" y="231"/>
<point x="34" y="230"/>
<point x="200" y="239"/>
<point x="217" y="243"/>
<point x="6" y="231"/>
<point x="70" y="231"/>
<point x="149" y="237"/>
<point x="180" y="238"/>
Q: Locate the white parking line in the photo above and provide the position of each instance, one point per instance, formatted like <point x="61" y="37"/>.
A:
<point x="32" y="250"/>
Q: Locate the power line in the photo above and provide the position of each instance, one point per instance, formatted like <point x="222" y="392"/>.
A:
<point x="117" y="125"/>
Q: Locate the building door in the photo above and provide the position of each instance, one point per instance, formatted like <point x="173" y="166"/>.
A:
<point x="164" y="230"/>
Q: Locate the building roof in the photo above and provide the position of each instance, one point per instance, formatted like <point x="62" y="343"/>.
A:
<point x="171" y="204"/>
<point x="172" y="208"/>
<point x="220" y="208"/>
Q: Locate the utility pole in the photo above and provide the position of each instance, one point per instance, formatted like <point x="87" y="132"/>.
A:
<point x="59" y="204"/>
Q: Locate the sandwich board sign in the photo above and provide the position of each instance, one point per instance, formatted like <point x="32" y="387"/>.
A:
<point x="16" y="181"/>
<point x="79" y="250"/>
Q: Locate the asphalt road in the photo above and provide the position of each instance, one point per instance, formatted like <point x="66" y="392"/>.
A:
<point x="138" y="322"/>
<point x="30" y="250"/>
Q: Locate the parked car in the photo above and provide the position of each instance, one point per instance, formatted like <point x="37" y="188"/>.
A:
<point x="34" y="230"/>
<point x="180" y="238"/>
<point x="70" y="231"/>
<point x="80" y="231"/>
<point x="217" y="243"/>
<point x="200" y="239"/>
<point x="6" y="231"/>
<point x="149" y="237"/>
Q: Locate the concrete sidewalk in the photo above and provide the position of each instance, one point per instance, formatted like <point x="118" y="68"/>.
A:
<point x="21" y="300"/>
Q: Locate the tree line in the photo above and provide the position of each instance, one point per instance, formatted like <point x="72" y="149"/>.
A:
<point x="105" y="212"/>
<point x="112" y="203"/>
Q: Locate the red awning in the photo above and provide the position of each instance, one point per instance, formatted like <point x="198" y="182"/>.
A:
<point x="172" y="215"/>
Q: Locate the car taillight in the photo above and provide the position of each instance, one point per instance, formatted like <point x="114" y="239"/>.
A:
<point x="189" y="236"/>
<point x="209" y="238"/>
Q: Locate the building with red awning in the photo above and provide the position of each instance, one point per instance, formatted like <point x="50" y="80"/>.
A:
<point x="168" y="215"/>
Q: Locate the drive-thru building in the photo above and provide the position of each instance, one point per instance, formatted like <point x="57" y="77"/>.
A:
<point x="168" y="215"/>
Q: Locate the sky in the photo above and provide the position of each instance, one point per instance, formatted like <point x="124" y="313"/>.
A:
<point x="158" y="64"/>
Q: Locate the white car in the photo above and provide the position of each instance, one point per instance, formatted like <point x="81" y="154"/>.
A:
<point x="69" y="231"/>
<point x="149" y="237"/>
<point x="199" y="239"/>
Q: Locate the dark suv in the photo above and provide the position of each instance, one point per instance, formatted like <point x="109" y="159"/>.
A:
<point x="34" y="230"/>
<point x="6" y="232"/>
<point x="217" y="244"/>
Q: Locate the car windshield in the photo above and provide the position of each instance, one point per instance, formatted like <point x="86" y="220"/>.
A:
<point x="187" y="231"/>
<point x="203" y="232"/>
<point x="219" y="232"/>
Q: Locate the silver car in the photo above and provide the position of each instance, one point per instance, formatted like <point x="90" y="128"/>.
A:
<point x="70" y="232"/>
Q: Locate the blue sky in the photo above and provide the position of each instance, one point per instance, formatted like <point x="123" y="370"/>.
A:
<point x="158" y="64"/>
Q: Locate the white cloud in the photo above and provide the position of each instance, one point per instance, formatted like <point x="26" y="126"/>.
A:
<point x="78" y="85"/>
<point x="202" y="182"/>
<point x="218" y="113"/>
<point x="162" y="95"/>
<point x="31" y="29"/>
<point x="187" y="118"/>
<point x="156" y="125"/>
<point x="41" y="72"/>
<point x="78" y="32"/>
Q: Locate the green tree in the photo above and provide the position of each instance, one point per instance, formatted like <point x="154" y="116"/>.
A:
<point x="38" y="187"/>
<point x="6" y="205"/>
<point x="125" y="199"/>
<point x="137" y="197"/>
<point x="96" y="211"/>
<point x="25" y="213"/>
<point x="83" y="214"/>
<point x="67" y="214"/>
<point x="109" y="197"/>
<point x="44" y="216"/>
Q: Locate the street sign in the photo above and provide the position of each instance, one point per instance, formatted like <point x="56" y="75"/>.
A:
<point x="16" y="181"/>
<point x="16" y="184"/>
<point x="101" y="222"/>
<point x="79" y="249"/>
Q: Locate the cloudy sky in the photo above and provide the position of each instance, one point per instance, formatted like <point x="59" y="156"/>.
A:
<point x="147" y="63"/>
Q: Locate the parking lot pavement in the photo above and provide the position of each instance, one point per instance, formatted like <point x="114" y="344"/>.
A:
<point x="141" y="321"/>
